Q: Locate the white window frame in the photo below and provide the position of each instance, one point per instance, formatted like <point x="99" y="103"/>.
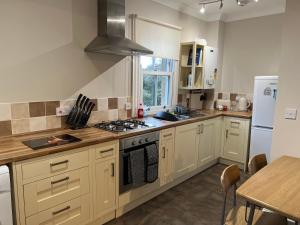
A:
<point x="172" y="75"/>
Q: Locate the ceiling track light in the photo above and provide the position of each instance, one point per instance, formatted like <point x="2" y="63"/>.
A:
<point x="203" y="3"/>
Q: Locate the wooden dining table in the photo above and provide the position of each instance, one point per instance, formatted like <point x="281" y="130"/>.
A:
<point x="275" y="187"/>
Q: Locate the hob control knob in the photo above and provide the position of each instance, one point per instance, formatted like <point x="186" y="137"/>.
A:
<point x="141" y="141"/>
<point x="133" y="143"/>
<point x="147" y="140"/>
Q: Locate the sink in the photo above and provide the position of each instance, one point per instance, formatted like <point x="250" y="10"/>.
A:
<point x="190" y="115"/>
<point x="47" y="142"/>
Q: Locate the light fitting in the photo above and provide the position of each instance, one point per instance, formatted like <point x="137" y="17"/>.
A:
<point x="203" y="3"/>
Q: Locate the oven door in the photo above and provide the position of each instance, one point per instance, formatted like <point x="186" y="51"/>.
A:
<point x="125" y="182"/>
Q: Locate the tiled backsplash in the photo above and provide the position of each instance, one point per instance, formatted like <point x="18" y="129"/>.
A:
<point x="212" y="97"/>
<point x="18" y="118"/>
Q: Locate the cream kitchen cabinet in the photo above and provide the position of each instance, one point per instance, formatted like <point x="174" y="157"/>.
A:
<point x="236" y="139"/>
<point x="105" y="176"/>
<point x="166" y="152"/>
<point x="72" y="187"/>
<point x="186" y="149"/>
<point x="207" y="141"/>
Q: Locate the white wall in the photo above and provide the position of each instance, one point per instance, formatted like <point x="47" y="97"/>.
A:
<point x="252" y="47"/>
<point x="286" y="134"/>
<point x="42" y="44"/>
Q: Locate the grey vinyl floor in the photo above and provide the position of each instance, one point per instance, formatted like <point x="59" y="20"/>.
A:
<point x="197" y="201"/>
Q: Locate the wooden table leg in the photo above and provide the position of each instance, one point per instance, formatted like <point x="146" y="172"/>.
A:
<point x="251" y="214"/>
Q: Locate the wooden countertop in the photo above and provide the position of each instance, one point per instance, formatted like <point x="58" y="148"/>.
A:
<point x="12" y="149"/>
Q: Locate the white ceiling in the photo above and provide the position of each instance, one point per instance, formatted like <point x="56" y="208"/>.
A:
<point x="230" y="12"/>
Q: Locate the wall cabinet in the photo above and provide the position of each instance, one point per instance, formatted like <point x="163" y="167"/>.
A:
<point x="186" y="149"/>
<point x="198" y="66"/>
<point x="236" y="139"/>
<point x="166" y="162"/>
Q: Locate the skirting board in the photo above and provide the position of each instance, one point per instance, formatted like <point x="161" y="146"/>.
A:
<point x="122" y="210"/>
<point x="228" y="162"/>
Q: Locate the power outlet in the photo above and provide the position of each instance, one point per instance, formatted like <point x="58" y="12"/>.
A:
<point x="63" y="111"/>
<point x="290" y="114"/>
<point x="128" y="106"/>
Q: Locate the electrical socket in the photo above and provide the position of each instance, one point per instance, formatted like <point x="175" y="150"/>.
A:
<point x="63" y="111"/>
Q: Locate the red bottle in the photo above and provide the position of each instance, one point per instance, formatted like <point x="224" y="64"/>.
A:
<point x="140" y="112"/>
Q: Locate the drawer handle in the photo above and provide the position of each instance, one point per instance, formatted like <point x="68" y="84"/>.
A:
<point x="167" y="135"/>
<point x="235" y="122"/>
<point x="112" y="169"/>
<point x="108" y="150"/>
<point x="59" y="163"/>
<point x="61" y="210"/>
<point x="59" y="181"/>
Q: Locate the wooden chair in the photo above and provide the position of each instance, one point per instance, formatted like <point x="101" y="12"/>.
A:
<point x="237" y="215"/>
<point x="256" y="163"/>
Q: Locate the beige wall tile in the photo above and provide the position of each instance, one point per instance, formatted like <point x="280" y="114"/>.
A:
<point x="122" y="114"/>
<point x="20" y="111"/>
<point x="37" y="123"/>
<point x="68" y="103"/>
<point x="5" y="112"/>
<point x="102" y="104"/>
<point x="20" y="126"/>
<point x="98" y="117"/>
<point x="5" y="128"/>
<point x="53" y="122"/>
<point x="113" y="114"/>
<point x="122" y="102"/>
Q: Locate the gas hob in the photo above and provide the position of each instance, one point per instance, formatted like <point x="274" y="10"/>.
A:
<point x="122" y="125"/>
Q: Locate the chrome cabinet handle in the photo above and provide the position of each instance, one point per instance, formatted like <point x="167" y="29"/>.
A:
<point x="226" y="134"/>
<point x="167" y="135"/>
<point x="59" y="163"/>
<point x="202" y="128"/>
<point x="199" y="129"/>
<point x="164" y="152"/>
<point x="108" y="150"/>
<point x="59" y="181"/>
<point x="113" y="169"/>
<point x="61" y="210"/>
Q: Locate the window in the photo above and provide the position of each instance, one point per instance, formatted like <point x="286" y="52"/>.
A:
<point x="157" y="77"/>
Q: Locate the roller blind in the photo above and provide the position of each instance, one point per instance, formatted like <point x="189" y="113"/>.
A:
<point x="162" y="39"/>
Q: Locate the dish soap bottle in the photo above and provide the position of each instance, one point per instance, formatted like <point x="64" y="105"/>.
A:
<point x="140" y="112"/>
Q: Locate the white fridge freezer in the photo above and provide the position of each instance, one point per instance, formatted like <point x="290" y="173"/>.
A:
<point x="261" y="141"/>
<point x="5" y="197"/>
<point x="264" y="101"/>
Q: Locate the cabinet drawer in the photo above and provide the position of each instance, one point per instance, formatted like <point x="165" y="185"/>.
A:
<point x="55" y="165"/>
<point x="46" y="193"/>
<point x="74" y="212"/>
<point x="167" y="134"/>
<point x="105" y="151"/>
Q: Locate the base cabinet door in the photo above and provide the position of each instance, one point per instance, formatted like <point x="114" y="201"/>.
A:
<point x="186" y="152"/>
<point x="105" y="199"/>
<point x="207" y="142"/>
<point x="167" y="139"/>
<point x="235" y="139"/>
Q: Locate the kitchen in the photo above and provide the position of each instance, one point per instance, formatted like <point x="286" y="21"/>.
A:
<point x="72" y="88"/>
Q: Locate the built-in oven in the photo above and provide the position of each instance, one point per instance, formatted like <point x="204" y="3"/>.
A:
<point x="139" y="158"/>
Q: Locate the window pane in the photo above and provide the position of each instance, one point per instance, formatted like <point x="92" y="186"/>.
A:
<point x="149" y="90"/>
<point x="156" y="90"/>
<point x="156" y="64"/>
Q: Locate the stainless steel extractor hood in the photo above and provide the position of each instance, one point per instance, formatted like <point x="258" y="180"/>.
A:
<point x="111" y="31"/>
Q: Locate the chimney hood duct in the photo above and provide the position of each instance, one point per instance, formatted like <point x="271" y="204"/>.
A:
<point x="111" y="31"/>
